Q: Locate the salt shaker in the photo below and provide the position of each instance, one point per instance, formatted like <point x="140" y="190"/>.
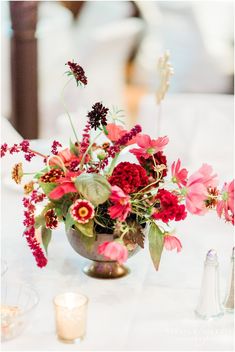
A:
<point x="229" y="296"/>
<point x="209" y="300"/>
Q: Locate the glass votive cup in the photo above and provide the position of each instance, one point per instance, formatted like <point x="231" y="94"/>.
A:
<point x="18" y="303"/>
<point x="70" y="316"/>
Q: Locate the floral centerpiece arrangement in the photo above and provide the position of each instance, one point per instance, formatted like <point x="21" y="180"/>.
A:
<point x="92" y="193"/>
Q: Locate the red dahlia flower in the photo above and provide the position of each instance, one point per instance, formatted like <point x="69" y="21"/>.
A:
<point x="82" y="211"/>
<point x="129" y="177"/>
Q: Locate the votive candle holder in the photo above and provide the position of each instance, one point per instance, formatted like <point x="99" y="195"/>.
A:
<point x="70" y="316"/>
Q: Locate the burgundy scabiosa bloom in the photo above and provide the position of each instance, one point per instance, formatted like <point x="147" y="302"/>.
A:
<point x="78" y="73"/>
<point x="97" y="116"/>
<point x="82" y="211"/>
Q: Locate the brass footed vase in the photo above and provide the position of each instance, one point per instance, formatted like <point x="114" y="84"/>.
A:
<point x="100" y="268"/>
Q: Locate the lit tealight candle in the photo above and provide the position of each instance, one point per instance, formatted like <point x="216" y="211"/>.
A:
<point x="70" y="315"/>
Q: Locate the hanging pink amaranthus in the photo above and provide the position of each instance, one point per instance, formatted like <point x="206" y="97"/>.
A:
<point x="29" y="222"/>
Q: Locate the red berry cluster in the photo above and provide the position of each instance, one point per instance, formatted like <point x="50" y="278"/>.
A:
<point x="85" y="138"/>
<point x="16" y="148"/>
<point x="168" y="207"/>
<point x="55" y="146"/>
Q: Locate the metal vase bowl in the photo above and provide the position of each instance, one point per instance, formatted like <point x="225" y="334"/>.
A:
<point x="101" y="267"/>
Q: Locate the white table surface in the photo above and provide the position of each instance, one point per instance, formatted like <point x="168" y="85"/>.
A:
<point x="146" y="310"/>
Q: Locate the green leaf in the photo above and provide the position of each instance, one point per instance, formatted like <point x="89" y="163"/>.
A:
<point x="59" y="212"/>
<point x="88" y="242"/>
<point x="155" y="237"/>
<point x="47" y="187"/>
<point x="69" y="221"/>
<point x="93" y="187"/>
<point x="72" y="148"/>
<point x="39" y="221"/>
<point x="40" y="173"/>
<point x="46" y="237"/>
<point x="86" y="229"/>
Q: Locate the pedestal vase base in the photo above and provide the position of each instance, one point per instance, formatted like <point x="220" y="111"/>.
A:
<point x="105" y="270"/>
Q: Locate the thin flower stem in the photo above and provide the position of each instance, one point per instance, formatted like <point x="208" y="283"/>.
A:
<point x="37" y="153"/>
<point x="113" y="163"/>
<point x="154" y="161"/>
<point x="88" y="149"/>
<point x="31" y="173"/>
<point x="151" y="184"/>
<point x="124" y="233"/>
<point x="66" y="109"/>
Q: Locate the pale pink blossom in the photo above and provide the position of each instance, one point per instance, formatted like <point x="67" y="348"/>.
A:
<point x="196" y="189"/>
<point x="172" y="242"/>
<point x="114" y="251"/>
<point x="122" y="206"/>
<point x="148" y="146"/>
<point x="225" y="206"/>
<point x="179" y="175"/>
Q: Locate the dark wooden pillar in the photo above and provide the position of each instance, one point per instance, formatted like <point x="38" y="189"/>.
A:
<point x="24" y="82"/>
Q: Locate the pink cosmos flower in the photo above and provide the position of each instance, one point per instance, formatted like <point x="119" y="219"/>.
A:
<point x="225" y="206"/>
<point x="115" y="132"/>
<point x="148" y="146"/>
<point x="196" y="189"/>
<point x="172" y="242"/>
<point x="122" y="206"/>
<point x="66" y="185"/>
<point x="114" y="251"/>
<point x="179" y="176"/>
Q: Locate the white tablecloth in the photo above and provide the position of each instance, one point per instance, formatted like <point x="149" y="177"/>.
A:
<point x="145" y="310"/>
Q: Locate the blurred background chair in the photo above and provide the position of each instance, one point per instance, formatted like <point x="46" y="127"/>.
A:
<point x="119" y="54"/>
